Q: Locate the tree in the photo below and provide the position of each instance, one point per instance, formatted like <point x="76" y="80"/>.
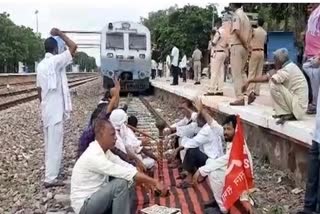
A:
<point x="84" y="61"/>
<point x="184" y="27"/>
<point x="17" y="44"/>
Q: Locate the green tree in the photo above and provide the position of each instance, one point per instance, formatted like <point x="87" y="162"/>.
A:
<point x="184" y="27"/>
<point x="84" y="61"/>
<point x="17" y="44"/>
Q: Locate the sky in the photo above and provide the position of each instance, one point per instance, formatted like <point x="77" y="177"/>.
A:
<point x="86" y="15"/>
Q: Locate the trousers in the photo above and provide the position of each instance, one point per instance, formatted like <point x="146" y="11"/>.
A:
<point x="217" y="72"/>
<point x="312" y="199"/>
<point x="53" y="141"/>
<point x="193" y="160"/>
<point x="113" y="197"/>
<point x="238" y="59"/>
<point x="255" y="69"/>
<point x="197" y="70"/>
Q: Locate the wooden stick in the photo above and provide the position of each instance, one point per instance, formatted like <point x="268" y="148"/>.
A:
<point x="141" y="132"/>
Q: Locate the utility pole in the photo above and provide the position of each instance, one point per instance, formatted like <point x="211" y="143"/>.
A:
<point x="37" y="24"/>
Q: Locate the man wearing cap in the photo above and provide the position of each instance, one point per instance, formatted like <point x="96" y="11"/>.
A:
<point x="218" y="55"/>
<point x="239" y="42"/>
<point x="55" y="101"/>
<point x="256" y="61"/>
<point x="288" y="88"/>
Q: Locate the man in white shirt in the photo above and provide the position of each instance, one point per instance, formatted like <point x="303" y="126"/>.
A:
<point x="55" y="99"/>
<point x="175" y="65"/>
<point x="126" y="140"/>
<point x="206" y="144"/>
<point x="91" y="189"/>
<point x="153" y="69"/>
<point x="160" y="69"/>
<point x="184" y="67"/>
<point x="168" y="65"/>
<point x="216" y="168"/>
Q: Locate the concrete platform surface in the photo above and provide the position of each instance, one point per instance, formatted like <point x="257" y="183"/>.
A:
<point x="259" y="113"/>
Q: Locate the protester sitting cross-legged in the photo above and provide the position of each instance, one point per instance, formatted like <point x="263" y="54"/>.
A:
<point x="206" y="144"/>
<point x="215" y="168"/>
<point x="91" y="189"/>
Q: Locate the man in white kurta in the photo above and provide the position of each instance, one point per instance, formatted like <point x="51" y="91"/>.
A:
<point x="126" y="139"/>
<point x="55" y="102"/>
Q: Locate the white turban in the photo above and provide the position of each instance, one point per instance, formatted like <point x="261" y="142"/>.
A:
<point x="118" y="118"/>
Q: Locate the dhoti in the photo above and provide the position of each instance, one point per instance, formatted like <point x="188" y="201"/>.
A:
<point x="53" y="141"/>
<point x="285" y="102"/>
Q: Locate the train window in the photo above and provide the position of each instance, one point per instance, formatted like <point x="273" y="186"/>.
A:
<point x="114" y="41"/>
<point x="137" y="42"/>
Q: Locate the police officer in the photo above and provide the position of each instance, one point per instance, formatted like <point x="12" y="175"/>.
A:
<point x="239" y="43"/>
<point x="259" y="36"/>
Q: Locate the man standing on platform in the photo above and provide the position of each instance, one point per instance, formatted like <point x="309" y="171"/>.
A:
<point x="167" y="66"/>
<point x="175" y="65"/>
<point x="218" y="55"/>
<point x="256" y="61"/>
<point x="196" y="58"/>
<point x="184" y="67"/>
<point x="239" y="42"/>
<point x="55" y="101"/>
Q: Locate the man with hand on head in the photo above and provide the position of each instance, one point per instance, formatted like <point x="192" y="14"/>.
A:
<point x="54" y="95"/>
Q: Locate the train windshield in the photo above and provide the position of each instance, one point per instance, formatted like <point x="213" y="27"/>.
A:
<point x="137" y="41"/>
<point x="114" y="41"/>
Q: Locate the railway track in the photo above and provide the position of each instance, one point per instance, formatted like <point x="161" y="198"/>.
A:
<point x="31" y="93"/>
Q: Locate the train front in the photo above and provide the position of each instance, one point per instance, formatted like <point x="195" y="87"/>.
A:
<point x="126" y="54"/>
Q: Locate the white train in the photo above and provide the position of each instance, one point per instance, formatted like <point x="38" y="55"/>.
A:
<point x="126" y="54"/>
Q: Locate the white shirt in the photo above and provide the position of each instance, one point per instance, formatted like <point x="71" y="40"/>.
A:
<point x="153" y="64"/>
<point x="317" y="129"/>
<point x="52" y="105"/>
<point x="208" y="140"/>
<point x="160" y="66"/>
<point x="92" y="170"/>
<point x="132" y="142"/>
<point x="120" y="143"/>
<point x="175" y="56"/>
<point x="189" y="130"/>
<point x="184" y="62"/>
<point x="185" y="120"/>
<point x="168" y="60"/>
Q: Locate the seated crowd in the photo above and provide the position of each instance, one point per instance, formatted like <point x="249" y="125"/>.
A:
<point x="112" y="159"/>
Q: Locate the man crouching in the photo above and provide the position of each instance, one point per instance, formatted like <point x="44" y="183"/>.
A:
<point x="91" y="189"/>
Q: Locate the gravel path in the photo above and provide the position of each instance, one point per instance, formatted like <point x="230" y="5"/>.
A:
<point x="22" y="151"/>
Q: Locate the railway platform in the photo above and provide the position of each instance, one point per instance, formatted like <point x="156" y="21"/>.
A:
<point x="284" y="146"/>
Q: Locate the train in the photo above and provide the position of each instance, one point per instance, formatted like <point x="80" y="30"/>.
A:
<point x="126" y="55"/>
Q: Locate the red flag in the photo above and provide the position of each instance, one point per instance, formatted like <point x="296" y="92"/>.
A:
<point x="238" y="175"/>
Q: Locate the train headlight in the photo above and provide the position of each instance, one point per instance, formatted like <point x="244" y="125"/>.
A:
<point x="142" y="75"/>
<point x="142" y="56"/>
<point x="110" y="74"/>
<point x="110" y="55"/>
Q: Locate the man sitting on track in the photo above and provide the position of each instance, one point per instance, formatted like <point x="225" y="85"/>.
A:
<point x="216" y="168"/>
<point x="127" y="141"/>
<point x="91" y="189"/>
<point x="206" y="144"/>
<point x="186" y="127"/>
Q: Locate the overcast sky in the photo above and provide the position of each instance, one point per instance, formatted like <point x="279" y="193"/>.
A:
<point x="86" y="14"/>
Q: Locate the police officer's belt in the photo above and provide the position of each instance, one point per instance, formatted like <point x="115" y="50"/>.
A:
<point x="218" y="51"/>
<point x="257" y="49"/>
<point x="235" y="44"/>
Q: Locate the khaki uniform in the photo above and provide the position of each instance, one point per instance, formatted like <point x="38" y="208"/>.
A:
<point x="289" y="91"/>
<point x="238" y="54"/>
<point x="257" y="57"/>
<point x="196" y="58"/>
<point x="218" y="56"/>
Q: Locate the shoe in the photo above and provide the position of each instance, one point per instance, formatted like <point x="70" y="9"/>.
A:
<point x="210" y="94"/>
<point x="239" y="102"/>
<point x="197" y="83"/>
<point x="311" y="110"/>
<point x="219" y="94"/>
<point x="54" y="184"/>
<point x="173" y="84"/>
<point x="251" y="98"/>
